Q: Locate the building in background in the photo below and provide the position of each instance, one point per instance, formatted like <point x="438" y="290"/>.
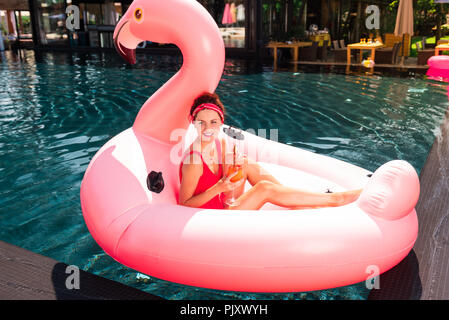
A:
<point x="15" y="23"/>
<point x="237" y="20"/>
<point x="343" y="19"/>
<point x="246" y="25"/>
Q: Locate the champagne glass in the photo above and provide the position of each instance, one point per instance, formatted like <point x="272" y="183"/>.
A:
<point x="234" y="160"/>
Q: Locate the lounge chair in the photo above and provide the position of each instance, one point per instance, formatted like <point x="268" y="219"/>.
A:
<point x="423" y="54"/>
<point x="387" y="55"/>
<point x="427" y="45"/>
<point x="338" y="53"/>
<point x="322" y="51"/>
<point x="308" y="53"/>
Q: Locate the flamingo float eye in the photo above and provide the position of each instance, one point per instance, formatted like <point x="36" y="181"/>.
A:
<point x="138" y="14"/>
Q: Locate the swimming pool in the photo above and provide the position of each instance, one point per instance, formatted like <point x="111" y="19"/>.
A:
<point x="57" y="110"/>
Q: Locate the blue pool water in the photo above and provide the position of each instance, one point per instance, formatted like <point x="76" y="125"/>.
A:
<point x="57" y="110"/>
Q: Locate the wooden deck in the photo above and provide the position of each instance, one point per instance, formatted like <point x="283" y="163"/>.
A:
<point x="25" y="275"/>
<point x="378" y="65"/>
<point x="424" y="273"/>
<point x="408" y="68"/>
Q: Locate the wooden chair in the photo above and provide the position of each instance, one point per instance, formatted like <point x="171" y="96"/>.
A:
<point x="423" y="54"/>
<point x="387" y="55"/>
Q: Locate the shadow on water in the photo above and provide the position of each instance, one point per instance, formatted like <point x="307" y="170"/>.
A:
<point x="401" y="282"/>
<point x="91" y="287"/>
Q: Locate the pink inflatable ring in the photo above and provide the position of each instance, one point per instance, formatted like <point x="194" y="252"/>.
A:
<point x="438" y="67"/>
<point x="269" y="250"/>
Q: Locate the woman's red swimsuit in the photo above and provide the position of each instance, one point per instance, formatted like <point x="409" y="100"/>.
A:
<point x="207" y="179"/>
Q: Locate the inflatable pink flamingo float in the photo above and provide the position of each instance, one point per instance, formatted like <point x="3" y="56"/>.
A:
<point x="139" y="223"/>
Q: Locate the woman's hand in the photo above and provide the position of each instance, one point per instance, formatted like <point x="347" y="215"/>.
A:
<point x="225" y="184"/>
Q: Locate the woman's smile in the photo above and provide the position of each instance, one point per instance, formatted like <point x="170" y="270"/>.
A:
<point x="208" y="134"/>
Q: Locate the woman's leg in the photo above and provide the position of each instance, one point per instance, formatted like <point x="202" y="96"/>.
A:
<point x="266" y="191"/>
<point x="267" y="188"/>
<point x="256" y="173"/>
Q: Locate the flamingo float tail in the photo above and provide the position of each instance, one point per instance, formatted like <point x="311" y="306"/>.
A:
<point x="392" y="191"/>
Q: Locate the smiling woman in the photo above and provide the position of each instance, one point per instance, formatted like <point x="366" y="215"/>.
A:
<point x="201" y="170"/>
<point x="207" y="175"/>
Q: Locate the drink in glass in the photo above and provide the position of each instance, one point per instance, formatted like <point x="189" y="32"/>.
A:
<point x="235" y="161"/>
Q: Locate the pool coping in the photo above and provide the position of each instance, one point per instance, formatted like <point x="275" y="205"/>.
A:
<point x="424" y="273"/>
<point x="25" y="275"/>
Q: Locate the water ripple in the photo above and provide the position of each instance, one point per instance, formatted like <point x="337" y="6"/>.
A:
<point x="57" y="110"/>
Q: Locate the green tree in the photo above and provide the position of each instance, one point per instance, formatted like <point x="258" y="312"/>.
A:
<point x="427" y="15"/>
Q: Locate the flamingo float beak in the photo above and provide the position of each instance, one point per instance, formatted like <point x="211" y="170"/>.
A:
<point x="129" y="54"/>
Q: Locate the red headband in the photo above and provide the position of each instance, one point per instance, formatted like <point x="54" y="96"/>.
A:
<point x="209" y="106"/>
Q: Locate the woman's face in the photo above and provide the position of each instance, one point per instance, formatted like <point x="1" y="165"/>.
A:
<point x="208" y="123"/>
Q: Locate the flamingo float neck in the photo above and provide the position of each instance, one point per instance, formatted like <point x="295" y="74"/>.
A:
<point x="188" y="25"/>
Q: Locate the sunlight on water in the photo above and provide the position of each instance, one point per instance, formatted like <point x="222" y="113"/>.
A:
<point x="56" y="111"/>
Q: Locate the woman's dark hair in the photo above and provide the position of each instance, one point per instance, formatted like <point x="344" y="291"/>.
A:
<point x="207" y="97"/>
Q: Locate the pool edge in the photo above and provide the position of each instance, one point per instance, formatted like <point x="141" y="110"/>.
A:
<point x="25" y="275"/>
<point x="423" y="274"/>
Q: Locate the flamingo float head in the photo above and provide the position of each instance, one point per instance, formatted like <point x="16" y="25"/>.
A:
<point x="143" y="21"/>
<point x="188" y="25"/>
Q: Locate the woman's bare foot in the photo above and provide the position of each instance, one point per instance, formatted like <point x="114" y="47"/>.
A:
<point x="342" y="198"/>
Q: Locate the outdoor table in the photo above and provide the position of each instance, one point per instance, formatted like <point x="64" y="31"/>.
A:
<point x="363" y="46"/>
<point x="294" y="45"/>
<point x="320" y="38"/>
<point x="441" y="47"/>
